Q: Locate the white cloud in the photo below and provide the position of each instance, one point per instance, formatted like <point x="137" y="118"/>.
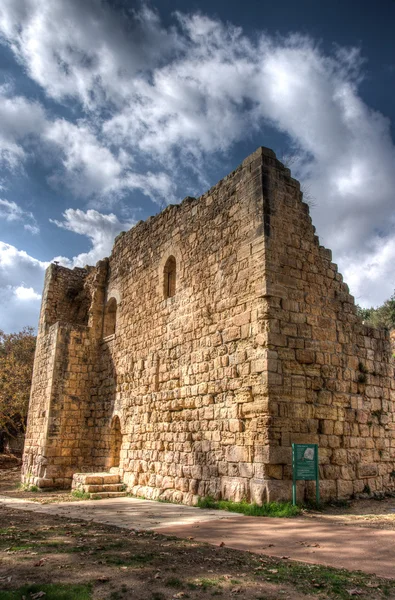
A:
<point x="11" y="211"/>
<point x="21" y="283"/>
<point x="84" y="50"/>
<point x="370" y="275"/>
<point x="20" y="120"/>
<point x="99" y="228"/>
<point x="24" y="293"/>
<point x="177" y="99"/>
<point x="92" y="169"/>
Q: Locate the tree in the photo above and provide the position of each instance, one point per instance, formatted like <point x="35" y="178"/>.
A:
<point x="16" y="368"/>
<point x="382" y="316"/>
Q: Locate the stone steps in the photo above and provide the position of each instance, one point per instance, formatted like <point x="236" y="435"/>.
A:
<point x="108" y="487"/>
<point x="99" y="495"/>
<point x="99" y="485"/>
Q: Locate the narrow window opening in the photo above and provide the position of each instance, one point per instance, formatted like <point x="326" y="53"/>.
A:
<point x="110" y="317"/>
<point x="115" y="442"/>
<point x="169" y="279"/>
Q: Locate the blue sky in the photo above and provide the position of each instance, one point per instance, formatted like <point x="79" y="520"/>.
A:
<point x="110" y="110"/>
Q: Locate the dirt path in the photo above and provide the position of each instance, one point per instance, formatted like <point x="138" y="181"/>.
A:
<point x="367" y="549"/>
<point x="76" y="543"/>
<point x="312" y="540"/>
<point x="115" y="564"/>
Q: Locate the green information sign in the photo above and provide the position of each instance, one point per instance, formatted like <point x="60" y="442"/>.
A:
<point x="305" y="466"/>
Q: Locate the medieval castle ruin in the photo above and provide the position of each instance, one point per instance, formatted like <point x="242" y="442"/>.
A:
<point x="216" y="334"/>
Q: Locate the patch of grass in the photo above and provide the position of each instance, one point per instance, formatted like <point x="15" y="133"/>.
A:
<point x="80" y="494"/>
<point x="173" y="582"/>
<point x="53" y="591"/>
<point x="130" y="560"/>
<point x="334" y="583"/>
<point x="21" y="548"/>
<point x="208" y="583"/>
<point x="26" y="487"/>
<point x="158" y="596"/>
<point x="269" y="509"/>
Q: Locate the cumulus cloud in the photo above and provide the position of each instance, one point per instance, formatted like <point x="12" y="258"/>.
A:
<point x="21" y="282"/>
<point x="84" y="164"/>
<point x="161" y="104"/>
<point x="11" y="211"/>
<point x="20" y="120"/>
<point x="24" y="293"/>
<point x="84" y="50"/>
<point x="92" y="169"/>
<point x="99" y="228"/>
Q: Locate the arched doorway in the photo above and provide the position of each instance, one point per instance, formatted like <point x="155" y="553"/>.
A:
<point x="115" y="442"/>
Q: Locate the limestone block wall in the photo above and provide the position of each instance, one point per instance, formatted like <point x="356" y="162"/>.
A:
<point x="34" y="457"/>
<point x="331" y="379"/>
<point x="58" y="441"/>
<point x="228" y="335"/>
<point x="65" y="298"/>
<point x="187" y="374"/>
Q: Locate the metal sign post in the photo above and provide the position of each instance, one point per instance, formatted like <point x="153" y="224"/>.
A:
<point x="305" y="467"/>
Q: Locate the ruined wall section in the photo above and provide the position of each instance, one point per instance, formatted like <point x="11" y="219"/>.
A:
<point x="34" y="456"/>
<point x="331" y="379"/>
<point x="66" y="297"/>
<point x="57" y="438"/>
<point x="187" y="374"/>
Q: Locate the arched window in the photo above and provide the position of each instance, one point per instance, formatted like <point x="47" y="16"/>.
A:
<point x="169" y="277"/>
<point x="110" y="317"/>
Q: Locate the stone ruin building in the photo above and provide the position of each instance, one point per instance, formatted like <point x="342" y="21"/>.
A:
<point x="217" y="333"/>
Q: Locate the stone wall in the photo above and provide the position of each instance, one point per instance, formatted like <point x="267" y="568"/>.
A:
<point x="257" y="347"/>
<point x="186" y="374"/>
<point x="331" y="379"/>
<point x="58" y="437"/>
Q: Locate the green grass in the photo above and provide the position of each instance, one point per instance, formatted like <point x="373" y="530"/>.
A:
<point x="80" y="495"/>
<point x="130" y="560"/>
<point x="21" y="548"/>
<point x="270" y="509"/>
<point x="317" y="579"/>
<point x="207" y="583"/>
<point x="26" y="487"/>
<point x="173" y="582"/>
<point x="53" y="591"/>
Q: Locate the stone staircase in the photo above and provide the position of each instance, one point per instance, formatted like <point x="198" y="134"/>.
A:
<point x="99" y="485"/>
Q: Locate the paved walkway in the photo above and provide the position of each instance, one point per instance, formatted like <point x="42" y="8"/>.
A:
<point x="309" y="540"/>
<point x="131" y="513"/>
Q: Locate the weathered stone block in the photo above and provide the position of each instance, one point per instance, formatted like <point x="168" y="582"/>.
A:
<point x="234" y="488"/>
<point x="367" y="470"/>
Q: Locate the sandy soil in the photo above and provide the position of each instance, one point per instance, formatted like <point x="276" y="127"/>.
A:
<point x="143" y="565"/>
<point x="120" y="564"/>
